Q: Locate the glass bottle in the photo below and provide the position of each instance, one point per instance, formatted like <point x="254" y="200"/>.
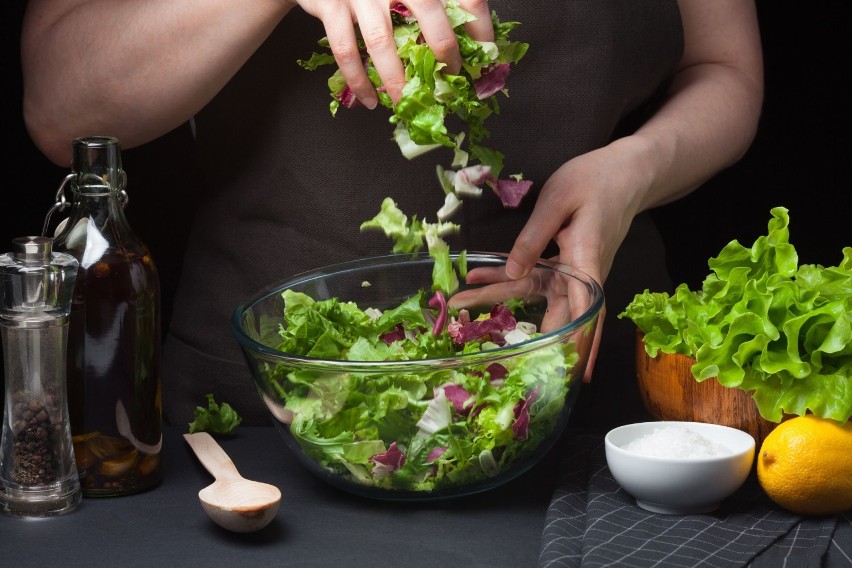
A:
<point x="114" y="340"/>
<point x="38" y="477"/>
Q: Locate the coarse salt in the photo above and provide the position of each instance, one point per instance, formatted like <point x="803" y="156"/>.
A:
<point x="675" y="442"/>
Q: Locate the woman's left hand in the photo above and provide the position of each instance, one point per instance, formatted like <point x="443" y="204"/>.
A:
<point x="586" y="207"/>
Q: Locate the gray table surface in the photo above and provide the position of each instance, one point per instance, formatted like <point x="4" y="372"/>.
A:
<point x="565" y="512"/>
<point x="316" y="525"/>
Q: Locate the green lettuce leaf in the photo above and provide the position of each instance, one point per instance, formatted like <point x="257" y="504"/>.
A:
<point x="410" y="236"/>
<point x="217" y="418"/>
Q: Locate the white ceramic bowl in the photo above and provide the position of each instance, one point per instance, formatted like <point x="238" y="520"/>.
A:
<point x="680" y="485"/>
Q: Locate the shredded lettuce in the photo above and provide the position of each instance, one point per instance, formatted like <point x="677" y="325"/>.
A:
<point x="431" y="94"/>
<point x="410" y="237"/>
<point x="216" y="418"/>
<point x="763" y="324"/>
<point x="449" y="427"/>
<point x="416" y="431"/>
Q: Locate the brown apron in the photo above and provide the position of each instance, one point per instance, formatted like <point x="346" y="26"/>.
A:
<point x="288" y="185"/>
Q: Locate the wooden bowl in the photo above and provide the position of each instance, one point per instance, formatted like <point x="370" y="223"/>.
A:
<point x="670" y="392"/>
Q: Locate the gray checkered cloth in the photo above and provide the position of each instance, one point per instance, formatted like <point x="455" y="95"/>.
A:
<point x="592" y="521"/>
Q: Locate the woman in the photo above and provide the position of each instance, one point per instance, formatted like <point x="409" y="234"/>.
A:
<point x="618" y="106"/>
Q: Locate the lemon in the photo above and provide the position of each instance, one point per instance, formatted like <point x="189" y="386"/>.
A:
<point x="805" y="465"/>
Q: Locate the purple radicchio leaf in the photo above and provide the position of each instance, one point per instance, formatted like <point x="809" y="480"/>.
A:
<point x="493" y="79"/>
<point x="501" y="320"/>
<point x="435" y="453"/>
<point x="401" y="9"/>
<point x="458" y="397"/>
<point x="521" y="426"/>
<point x="439" y="302"/>
<point x="347" y="98"/>
<point x="388" y="462"/>
<point x="510" y="191"/>
<point x="497" y="371"/>
<point x="398" y="334"/>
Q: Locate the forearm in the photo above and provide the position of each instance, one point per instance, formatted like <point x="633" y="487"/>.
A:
<point x="705" y="127"/>
<point x="139" y="68"/>
<point x="711" y="113"/>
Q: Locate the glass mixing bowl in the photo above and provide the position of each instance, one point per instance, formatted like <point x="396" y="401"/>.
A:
<point x="464" y="421"/>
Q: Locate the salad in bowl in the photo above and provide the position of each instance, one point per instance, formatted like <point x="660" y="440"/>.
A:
<point x="388" y="389"/>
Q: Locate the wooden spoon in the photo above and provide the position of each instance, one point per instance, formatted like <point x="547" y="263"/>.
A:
<point x="232" y="502"/>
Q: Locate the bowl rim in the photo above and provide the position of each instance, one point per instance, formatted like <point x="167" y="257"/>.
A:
<point x="463" y="359"/>
<point x="735" y="454"/>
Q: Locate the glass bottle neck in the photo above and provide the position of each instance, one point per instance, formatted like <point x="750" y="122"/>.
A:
<point x="89" y="183"/>
<point x="95" y="200"/>
<point x="96" y="216"/>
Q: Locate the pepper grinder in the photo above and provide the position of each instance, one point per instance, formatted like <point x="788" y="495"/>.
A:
<point x="38" y="474"/>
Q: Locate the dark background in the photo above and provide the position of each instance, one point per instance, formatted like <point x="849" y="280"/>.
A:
<point x="800" y="159"/>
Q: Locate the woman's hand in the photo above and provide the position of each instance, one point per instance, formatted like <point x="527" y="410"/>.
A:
<point x="565" y="295"/>
<point x="586" y="206"/>
<point x="373" y="19"/>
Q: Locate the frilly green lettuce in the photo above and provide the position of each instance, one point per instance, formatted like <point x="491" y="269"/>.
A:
<point x="763" y="324"/>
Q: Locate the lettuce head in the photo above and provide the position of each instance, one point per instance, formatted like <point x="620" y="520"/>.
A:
<point x="764" y="324"/>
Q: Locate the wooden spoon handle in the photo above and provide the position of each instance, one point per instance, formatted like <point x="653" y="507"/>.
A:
<point x="212" y="456"/>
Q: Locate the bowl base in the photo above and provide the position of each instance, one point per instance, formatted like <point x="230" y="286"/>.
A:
<point x="669" y="510"/>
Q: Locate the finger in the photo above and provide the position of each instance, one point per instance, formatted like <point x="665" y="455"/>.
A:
<point x="543" y="224"/>
<point x="558" y="313"/>
<point x="480" y="296"/>
<point x="585" y="261"/>
<point x="377" y="32"/>
<point x="568" y="299"/>
<point x="593" y="354"/>
<point x="491" y="294"/>
<point x="340" y="31"/>
<point x="437" y="31"/>
<point x="485" y="275"/>
<point x="481" y="29"/>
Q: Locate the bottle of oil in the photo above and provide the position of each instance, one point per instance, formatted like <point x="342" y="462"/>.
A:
<point x="114" y="395"/>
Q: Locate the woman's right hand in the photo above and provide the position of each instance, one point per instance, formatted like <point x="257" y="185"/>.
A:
<point x="373" y="19"/>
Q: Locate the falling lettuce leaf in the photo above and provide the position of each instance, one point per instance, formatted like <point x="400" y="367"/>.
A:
<point x="410" y="237"/>
<point x="763" y="324"/>
<point x="217" y="418"/>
